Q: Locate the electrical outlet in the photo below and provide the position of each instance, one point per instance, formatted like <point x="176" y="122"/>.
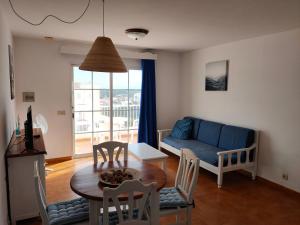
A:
<point x="285" y="176"/>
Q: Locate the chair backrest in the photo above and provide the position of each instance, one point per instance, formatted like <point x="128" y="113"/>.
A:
<point x="187" y="174"/>
<point x="40" y="195"/>
<point x="111" y="147"/>
<point x="136" y="215"/>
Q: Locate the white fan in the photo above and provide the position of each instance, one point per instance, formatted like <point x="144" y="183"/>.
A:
<point x="41" y="122"/>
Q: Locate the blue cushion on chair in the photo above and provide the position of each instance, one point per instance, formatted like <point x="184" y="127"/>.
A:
<point x="209" y="132"/>
<point x="171" y="198"/>
<point x="68" y="212"/>
<point x="182" y="129"/>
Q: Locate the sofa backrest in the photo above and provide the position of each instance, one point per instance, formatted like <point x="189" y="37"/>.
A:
<point x="209" y="132"/>
<point x="196" y="123"/>
<point x="233" y="137"/>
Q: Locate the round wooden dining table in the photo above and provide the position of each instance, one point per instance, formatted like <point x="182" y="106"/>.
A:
<point x="85" y="182"/>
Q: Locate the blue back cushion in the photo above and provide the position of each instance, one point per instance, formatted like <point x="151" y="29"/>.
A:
<point x="196" y="124"/>
<point x="236" y="137"/>
<point x="182" y="129"/>
<point x="209" y="132"/>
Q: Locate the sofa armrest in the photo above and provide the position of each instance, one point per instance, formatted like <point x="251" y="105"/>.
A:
<point x="229" y="153"/>
<point x="163" y="133"/>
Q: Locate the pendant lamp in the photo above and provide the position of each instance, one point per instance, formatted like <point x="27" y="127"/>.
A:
<point x="103" y="56"/>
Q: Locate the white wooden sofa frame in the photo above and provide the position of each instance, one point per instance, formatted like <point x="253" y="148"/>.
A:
<point x="250" y="166"/>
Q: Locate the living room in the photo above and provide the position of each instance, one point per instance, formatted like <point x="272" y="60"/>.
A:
<point x="256" y="43"/>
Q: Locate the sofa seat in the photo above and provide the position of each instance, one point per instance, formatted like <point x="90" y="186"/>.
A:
<point x="205" y="152"/>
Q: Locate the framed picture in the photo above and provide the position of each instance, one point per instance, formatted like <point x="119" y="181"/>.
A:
<point x="11" y="72"/>
<point x="216" y="75"/>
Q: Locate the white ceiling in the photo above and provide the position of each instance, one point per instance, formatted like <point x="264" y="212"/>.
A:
<point x="178" y="25"/>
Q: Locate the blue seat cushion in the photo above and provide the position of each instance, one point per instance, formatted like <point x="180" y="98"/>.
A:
<point x="114" y="218"/>
<point x="209" y="132"/>
<point x="194" y="145"/>
<point x="205" y="152"/>
<point x="171" y="198"/>
<point x="196" y="124"/>
<point x="68" y="212"/>
<point x="232" y="137"/>
<point x="182" y="129"/>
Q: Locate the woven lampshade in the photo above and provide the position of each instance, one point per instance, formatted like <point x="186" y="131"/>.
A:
<point x="103" y="57"/>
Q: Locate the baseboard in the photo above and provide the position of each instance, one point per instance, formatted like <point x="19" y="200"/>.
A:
<point x="278" y="186"/>
<point x="58" y="160"/>
<point x="270" y="183"/>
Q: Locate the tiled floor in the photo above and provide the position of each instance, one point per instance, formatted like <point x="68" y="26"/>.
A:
<point x="241" y="201"/>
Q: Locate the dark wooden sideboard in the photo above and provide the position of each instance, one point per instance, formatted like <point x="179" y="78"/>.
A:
<point x="19" y="161"/>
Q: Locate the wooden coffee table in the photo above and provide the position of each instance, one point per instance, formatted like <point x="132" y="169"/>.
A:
<point x="147" y="153"/>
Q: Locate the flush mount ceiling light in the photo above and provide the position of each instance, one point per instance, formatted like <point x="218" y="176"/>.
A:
<point x="103" y="56"/>
<point x="136" y="33"/>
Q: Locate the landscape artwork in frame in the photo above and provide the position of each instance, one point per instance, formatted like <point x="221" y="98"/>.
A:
<point x="216" y="75"/>
<point x="11" y="72"/>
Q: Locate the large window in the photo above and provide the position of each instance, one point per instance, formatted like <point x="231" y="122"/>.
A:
<point x="106" y="107"/>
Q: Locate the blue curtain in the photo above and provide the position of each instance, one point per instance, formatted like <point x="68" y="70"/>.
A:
<point x="147" y="124"/>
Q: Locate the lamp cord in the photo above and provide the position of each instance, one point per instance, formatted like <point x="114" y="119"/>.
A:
<point x="50" y="15"/>
<point x="103" y="18"/>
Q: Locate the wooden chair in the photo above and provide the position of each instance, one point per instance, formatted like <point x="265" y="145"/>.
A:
<point x="175" y="199"/>
<point x="133" y="215"/>
<point x="75" y="212"/>
<point x="111" y="147"/>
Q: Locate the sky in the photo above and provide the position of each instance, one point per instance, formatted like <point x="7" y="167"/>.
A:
<point x="101" y="80"/>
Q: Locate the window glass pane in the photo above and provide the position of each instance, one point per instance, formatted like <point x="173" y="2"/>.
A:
<point x="82" y="79"/>
<point x="135" y="79"/>
<point x="100" y="80"/>
<point x="120" y="119"/>
<point x="133" y="136"/>
<point x="120" y="81"/>
<point x="83" y="143"/>
<point x="134" y="97"/>
<point x="101" y="121"/>
<point x="101" y="137"/>
<point x="101" y="100"/>
<point x="121" y="136"/>
<point x="83" y="122"/>
<point x="134" y="115"/>
<point x="82" y="100"/>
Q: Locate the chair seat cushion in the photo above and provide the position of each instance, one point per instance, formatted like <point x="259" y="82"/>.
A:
<point x="114" y="219"/>
<point x="171" y="198"/>
<point x="68" y="212"/>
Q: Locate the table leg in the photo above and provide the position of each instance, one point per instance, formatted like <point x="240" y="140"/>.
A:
<point x="94" y="212"/>
<point x="155" y="210"/>
<point x="164" y="165"/>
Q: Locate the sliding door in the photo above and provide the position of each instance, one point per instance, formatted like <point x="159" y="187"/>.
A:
<point x="106" y="107"/>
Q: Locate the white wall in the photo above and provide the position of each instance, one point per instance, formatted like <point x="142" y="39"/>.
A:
<point x="263" y="93"/>
<point x="167" y="89"/>
<point x="7" y="111"/>
<point x="41" y="68"/>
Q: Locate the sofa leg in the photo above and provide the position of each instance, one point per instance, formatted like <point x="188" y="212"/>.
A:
<point x="220" y="180"/>
<point x="253" y="174"/>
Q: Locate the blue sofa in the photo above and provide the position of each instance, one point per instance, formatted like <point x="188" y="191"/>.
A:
<point x="220" y="147"/>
